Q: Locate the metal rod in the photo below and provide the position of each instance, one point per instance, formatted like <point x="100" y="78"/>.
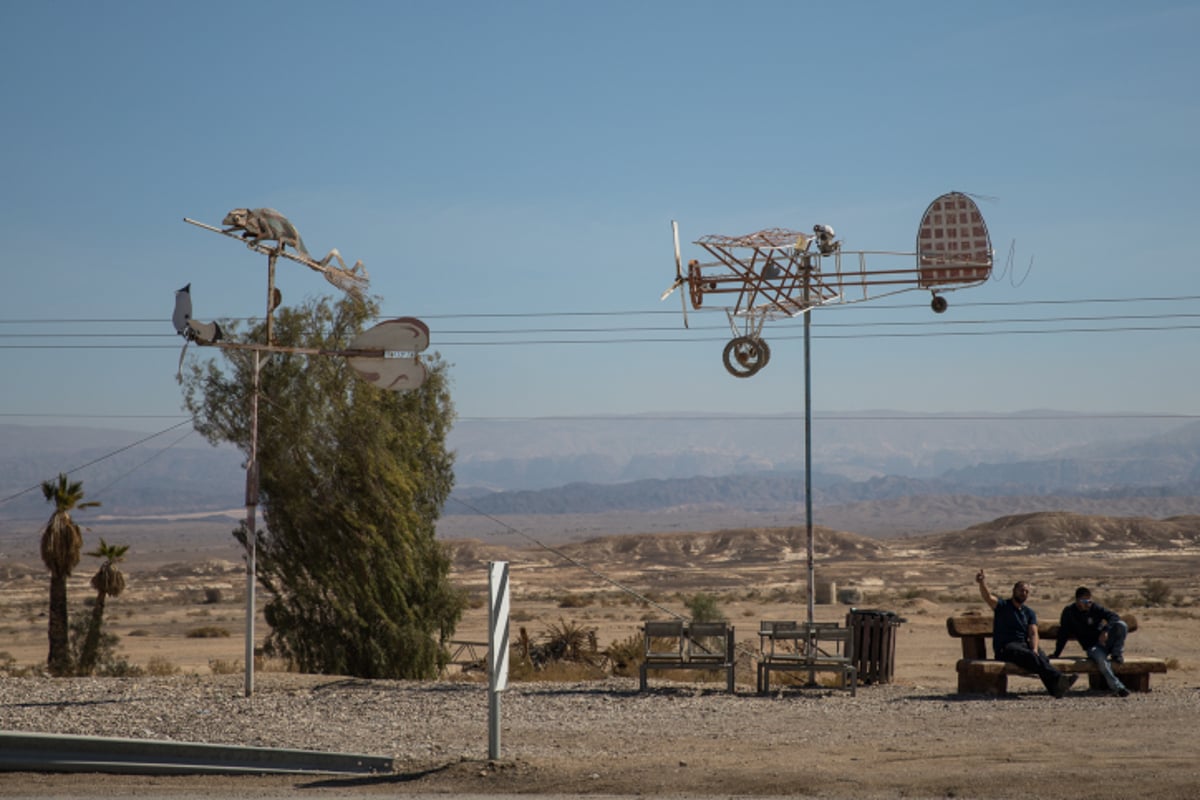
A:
<point x="808" y="499"/>
<point x="307" y="351"/>
<point x="251" y="535"/>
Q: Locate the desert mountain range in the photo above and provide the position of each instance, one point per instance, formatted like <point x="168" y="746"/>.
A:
<point x="875" y="473"/>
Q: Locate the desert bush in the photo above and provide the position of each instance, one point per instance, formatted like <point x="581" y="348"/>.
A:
<point x="208" y="632"/>
<point x="138" y="632"/>
<point x="560" y="642"/>
<point x="9" y="668"/>
<point x="703" y="608"/>
<point x="212" y="594"/>
<point x="625" y="655"/>
<point x="574" y="601"/>
<point x="161" y="667"/>
<point x="223" y="666"/>
<point x="522" y="615"/>
<point x="119" y="668"/>
<point x="556" y="672"/>
<point x="1155" y="592"/>
<point x="1119" y="602"/>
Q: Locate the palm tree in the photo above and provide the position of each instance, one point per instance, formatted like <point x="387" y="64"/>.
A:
<point x="61" y="543"/>
<point x="108" y="581"/>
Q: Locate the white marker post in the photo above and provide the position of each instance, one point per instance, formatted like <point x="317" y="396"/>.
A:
<point x="497" y="650"/>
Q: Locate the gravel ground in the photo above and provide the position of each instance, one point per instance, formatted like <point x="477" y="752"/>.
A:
<point x="606" y="738"/>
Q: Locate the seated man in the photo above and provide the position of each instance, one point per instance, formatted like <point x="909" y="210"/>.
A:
<point x="1099" y="631"/>
<point x="1015" y="636"/>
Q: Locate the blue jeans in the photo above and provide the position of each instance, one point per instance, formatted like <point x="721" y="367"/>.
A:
<point x="1115" y="646"/>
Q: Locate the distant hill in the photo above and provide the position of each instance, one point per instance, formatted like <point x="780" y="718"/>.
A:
<point x="1042" y="533"/>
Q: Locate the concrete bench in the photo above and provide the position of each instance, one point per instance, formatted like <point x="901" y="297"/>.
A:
<point x="674" y="645"/>
<point x="978" y="674"/>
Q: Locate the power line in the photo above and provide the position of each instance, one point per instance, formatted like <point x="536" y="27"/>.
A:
<point x="739" y="418"/>
<point x="118" y="451"/>
<point x="634" y="312"/>
<point x="683" y="338"/>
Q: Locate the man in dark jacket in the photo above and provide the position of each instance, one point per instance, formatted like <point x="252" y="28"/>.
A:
<point x="1099" y="631"/>
<point x="1015" y="636"/>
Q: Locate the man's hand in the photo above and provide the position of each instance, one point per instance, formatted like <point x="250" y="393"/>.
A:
<point x="984" y="592"/>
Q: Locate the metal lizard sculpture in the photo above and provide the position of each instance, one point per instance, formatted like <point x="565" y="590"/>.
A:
<point x="267" y="224"/>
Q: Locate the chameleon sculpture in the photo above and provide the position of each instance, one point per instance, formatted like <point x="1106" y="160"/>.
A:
<point x="258" y="224"/>
<point x="267" y="224"/>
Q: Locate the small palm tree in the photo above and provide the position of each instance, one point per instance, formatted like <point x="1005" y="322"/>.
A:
<point x="108" y="581"/>
<point x="62" y="542"/>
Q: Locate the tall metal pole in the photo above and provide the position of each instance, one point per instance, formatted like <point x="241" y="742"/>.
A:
<point x="252" y="486"/>
<point x="808" y="499"/>
<point x="251" y="535"/>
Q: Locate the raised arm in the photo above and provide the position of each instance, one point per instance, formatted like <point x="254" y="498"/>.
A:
<point x="984" y="592"/>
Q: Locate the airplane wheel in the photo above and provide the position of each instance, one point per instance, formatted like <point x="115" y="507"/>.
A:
<point x="938" y="304"/>
<point x="745" y="356"/>
<point x="695" y="285"/>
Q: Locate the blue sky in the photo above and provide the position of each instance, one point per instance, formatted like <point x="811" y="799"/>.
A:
<point x="525" y="159"/>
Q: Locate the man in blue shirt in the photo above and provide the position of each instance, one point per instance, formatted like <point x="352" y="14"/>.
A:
<point x="1099" y="631"/>
<point x="1015" y="636"/>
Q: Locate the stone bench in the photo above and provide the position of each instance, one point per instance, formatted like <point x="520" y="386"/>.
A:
<point x="978" y="674"/>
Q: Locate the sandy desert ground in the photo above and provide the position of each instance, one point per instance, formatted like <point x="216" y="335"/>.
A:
<point x="914" y="737"/>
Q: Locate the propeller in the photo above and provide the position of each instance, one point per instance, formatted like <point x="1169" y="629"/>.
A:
<point x="679" y="279"/>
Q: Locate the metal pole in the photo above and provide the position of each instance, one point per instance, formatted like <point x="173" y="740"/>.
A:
<point x="498" y="603"/>
<point x="252" y="486"/>
<point x="493" y="724"/>
<point x="808" y="501"/>
<point x="251" y="535"/>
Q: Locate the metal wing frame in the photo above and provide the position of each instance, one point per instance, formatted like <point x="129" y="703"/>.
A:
<point x="775" y="272"/>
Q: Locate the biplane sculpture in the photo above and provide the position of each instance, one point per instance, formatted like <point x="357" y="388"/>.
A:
<point x="777" y="273"/>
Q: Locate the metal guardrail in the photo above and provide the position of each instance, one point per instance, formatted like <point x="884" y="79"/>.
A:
<point x="42" y="752"/>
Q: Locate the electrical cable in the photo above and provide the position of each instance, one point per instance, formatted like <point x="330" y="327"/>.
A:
<point x="98" y="460"/>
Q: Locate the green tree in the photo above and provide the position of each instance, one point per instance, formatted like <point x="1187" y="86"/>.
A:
<point x="108" y="581"/>
<point x="352" y="479"/>
<point x="62" y="542"/>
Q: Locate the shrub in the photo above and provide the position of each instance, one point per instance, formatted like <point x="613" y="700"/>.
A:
<point x="574" y="601"/>
<point x="625" y="655"/>
<point x="221" y="666"/>
<point x="212" y="594"/>
<point x="703" y="608"/>
<point x="1155" y="592"/>
<point x="560" y="642"/>
<point x="208" y="632"/>
<point x="161" y="667"/>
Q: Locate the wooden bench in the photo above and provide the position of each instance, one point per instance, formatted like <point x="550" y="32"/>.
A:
<point x="978" y="674"/>
<point x="672" y="644"/>
<point x="811" y="647"/>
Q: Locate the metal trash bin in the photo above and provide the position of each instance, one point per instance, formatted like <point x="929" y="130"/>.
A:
<point x="874" y="634"/>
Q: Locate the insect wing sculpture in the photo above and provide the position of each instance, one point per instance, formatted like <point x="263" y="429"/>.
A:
<point x="776" y="273"/>
<point x="394" y="336"/>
